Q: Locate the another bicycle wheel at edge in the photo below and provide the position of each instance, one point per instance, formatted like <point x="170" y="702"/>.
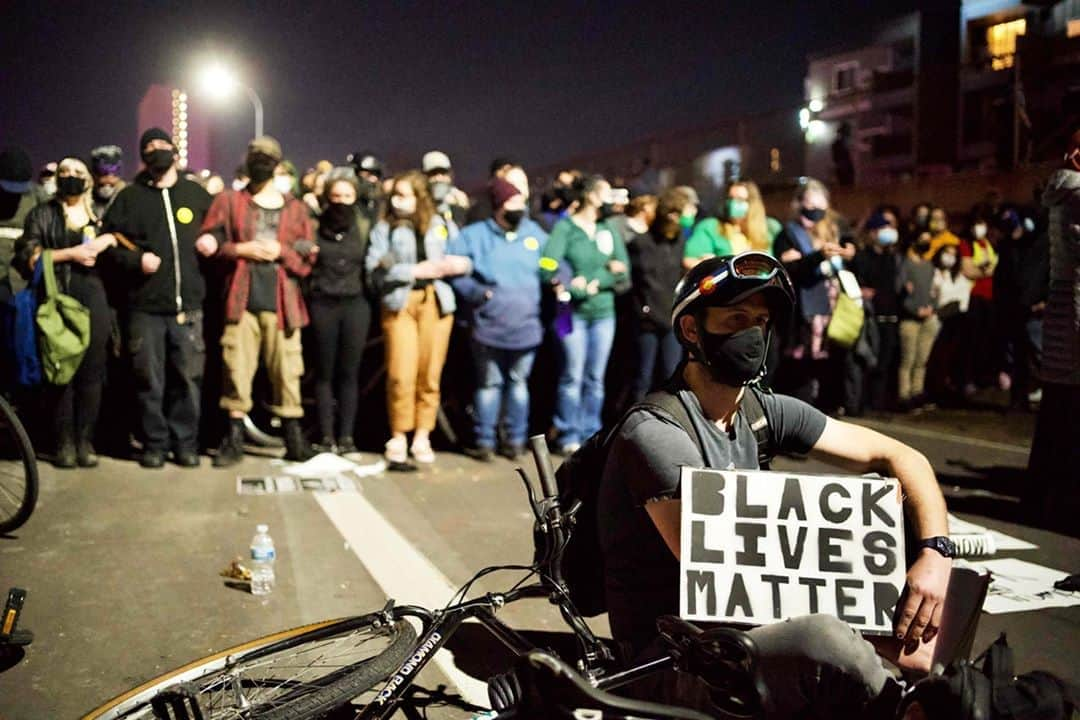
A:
<point x="18" y="471"/>
<point x="299" y="673"/>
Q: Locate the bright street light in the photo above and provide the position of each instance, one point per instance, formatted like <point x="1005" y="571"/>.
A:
<point x="218" y="81"/>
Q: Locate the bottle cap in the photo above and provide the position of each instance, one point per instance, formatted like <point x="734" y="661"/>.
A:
<point x="262" y="528"/>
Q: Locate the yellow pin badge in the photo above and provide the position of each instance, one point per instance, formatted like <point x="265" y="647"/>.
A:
<point x="184" y="215"/>
<point x="531" y="243"/>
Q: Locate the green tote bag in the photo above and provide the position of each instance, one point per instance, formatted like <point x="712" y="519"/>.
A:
<point x="63" y="329"/>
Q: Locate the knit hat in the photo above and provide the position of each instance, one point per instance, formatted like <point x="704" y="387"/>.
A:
<point x="15" y="171"/>
<point x="876" y="222"/>
<point x="154" y="133"/>
<point x="501" y="191"/>
<point x="267" y="146"/>
<point x="106" y="160"/>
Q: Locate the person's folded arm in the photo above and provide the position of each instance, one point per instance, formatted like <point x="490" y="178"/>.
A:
<point x="860" y="449"/>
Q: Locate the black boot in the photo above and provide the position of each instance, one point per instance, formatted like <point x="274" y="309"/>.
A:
<point x="231" y="450"/>
<point x="85" y="455"/>
<point x="297" y="447"/>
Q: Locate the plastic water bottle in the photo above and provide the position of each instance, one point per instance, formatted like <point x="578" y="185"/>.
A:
<point x="262" y="561"/>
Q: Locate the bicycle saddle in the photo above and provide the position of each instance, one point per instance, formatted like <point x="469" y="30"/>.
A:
<point x="552" y="689"/>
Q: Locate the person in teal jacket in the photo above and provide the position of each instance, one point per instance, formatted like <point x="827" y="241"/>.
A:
<point x="586" y="258"/>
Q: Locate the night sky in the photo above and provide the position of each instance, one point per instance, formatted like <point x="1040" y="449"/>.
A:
<point x="536" y="81"/>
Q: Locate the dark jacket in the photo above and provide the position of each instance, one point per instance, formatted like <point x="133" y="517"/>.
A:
<point x="655" y="269"/>
<point x="1061" y="323"/>
<point x="142" y="213"/>
<point x="45" y="228"/>
<point x="339" y="266"/>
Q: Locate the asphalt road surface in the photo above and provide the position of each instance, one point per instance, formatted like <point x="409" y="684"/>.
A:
<point x="121" y="564"/>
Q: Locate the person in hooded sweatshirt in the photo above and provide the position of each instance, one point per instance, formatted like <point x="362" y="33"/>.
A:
<point x="502" y="291"/>
<point x="1052" y="493"/>
<point x="156" y="222"/>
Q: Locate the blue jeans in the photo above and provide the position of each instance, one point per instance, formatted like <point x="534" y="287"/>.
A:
<point x="653" y="345"/>
<point x="502" y="382"/>
<point x="581" y="384"/>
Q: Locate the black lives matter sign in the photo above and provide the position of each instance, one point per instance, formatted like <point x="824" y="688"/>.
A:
<point x="761" y="547"/>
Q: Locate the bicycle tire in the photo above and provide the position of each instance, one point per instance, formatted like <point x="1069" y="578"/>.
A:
<point x="18" y="471"/>
<point x="338" y="684"/>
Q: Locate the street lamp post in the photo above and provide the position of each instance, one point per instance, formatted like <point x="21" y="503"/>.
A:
<point x="219" y="81"/>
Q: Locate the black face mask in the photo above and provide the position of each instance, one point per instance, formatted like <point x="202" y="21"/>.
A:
<point x="158" y="161"/>
<point x="368" y="191"/>
<point x="261" y="169"/>
<point x="70" y="186"/>
<point x="338" y="216"/>
<point x="813" y="214"/>
<point x="513" y="218"/>
<point x="606" y="211"/>
<point x="736" y="358"/>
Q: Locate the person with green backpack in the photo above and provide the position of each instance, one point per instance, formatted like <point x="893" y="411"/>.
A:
<point x="73" y="316"/>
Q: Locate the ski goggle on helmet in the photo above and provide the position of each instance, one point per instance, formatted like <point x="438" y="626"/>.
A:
<point x="728" y="280"/>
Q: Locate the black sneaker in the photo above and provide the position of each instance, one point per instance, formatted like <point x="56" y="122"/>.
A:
<point x="297" y="447"/>
<point x="152" y="459"/>
<point x="512" y="452"/>
<point x="326" y="445"/>
<point x="346" y="446"/>
<point x="483" y="454"/>
<point x="186" y="458"/>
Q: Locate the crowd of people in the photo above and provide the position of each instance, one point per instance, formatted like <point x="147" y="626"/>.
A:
<point x="170" y="263"/>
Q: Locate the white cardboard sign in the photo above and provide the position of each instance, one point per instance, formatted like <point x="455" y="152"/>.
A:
<point x="760" y="547"/>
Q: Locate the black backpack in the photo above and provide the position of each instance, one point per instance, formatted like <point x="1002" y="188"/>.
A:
<point x="966" y="691"/>
<point x="579" y="477"/>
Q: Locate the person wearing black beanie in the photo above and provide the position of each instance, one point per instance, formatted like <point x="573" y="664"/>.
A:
<point x="18" y="196"/>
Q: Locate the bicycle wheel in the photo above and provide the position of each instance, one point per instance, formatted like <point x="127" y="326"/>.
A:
<point x="299" y="673"/>
<point x="18" y="471"/>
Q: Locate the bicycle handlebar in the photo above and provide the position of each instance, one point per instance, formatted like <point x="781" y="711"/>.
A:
<point x="538" y="445"/>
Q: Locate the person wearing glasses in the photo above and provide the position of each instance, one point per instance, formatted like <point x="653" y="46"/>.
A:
<point x="723" y="314"/>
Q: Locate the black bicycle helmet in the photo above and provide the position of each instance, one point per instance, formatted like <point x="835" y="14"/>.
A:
<point x="728" y="280"/>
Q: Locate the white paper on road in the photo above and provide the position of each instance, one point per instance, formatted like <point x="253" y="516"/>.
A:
<point x="1001" y="540"/>
<point x="328" y="465"/>
<point x="1018" y="586"/>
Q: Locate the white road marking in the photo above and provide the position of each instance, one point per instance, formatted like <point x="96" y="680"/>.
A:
<point x="402" y="571"/>
<point x="887" y="427"/>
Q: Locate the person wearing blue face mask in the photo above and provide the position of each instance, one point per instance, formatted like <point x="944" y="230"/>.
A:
<point x="877" y="266"/>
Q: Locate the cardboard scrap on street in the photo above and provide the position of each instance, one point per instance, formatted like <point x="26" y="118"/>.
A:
<point x="1018" y="586"/>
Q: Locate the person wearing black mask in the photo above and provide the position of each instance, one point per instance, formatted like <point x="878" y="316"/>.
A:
<point x="369" y="176"/>
<point x="340" y="312"/>
<point x="450" y="202"/>
<point x="66" y="227"/>
<point x="502" y="292"/>
<point x="106" y="164"/>
<point x="156" y="220"/>
<point x="723" y="314"/>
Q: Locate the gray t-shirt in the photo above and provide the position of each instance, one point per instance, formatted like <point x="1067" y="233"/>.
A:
<point x="917" y="279"/>
<point x="644" y="462"/>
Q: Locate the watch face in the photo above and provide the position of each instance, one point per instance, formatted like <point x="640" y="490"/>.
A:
<point x="942" y="544"/>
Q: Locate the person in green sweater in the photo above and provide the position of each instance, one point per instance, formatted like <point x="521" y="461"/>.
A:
<point x="585" y="258"/>
<point x="740" y="225"/>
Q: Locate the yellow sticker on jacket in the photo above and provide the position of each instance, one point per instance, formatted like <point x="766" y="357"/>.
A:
<point x="531" y="243"/>
<point x="443" y="232"/>
<point x="185" y="215"/>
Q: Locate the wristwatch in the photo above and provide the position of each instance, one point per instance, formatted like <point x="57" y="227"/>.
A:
<point x="941" y="543"/>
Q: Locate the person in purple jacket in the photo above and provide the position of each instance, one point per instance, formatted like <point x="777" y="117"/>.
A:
<point x="503" y="294"/>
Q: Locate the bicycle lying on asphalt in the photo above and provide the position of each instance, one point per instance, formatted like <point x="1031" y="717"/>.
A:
<point x="365" y="666"/>
<point x="18" y="471"/>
